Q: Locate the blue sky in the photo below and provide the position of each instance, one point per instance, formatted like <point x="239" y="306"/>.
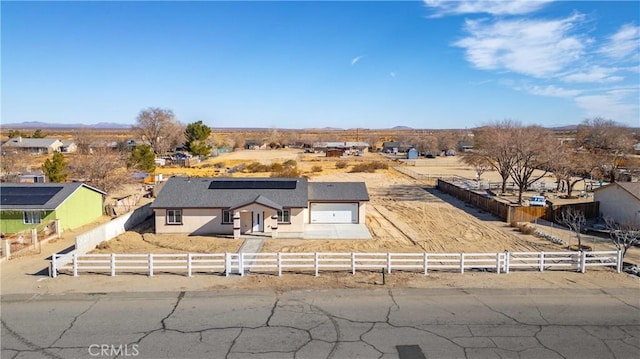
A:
<point x="424" y="64"/>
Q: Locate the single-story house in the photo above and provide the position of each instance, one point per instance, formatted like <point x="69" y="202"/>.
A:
<point x="68" y="147"/>
<point x="343" y="146"/>
<point x="32" y="178"/>
<point x="29" y="205"/>
<point x="620" y="201"/>
<point x="465" y="146"/>
<point x="412" y="154"/>
<point x="395" y="147"/>
<point x="255" y="205"/>
<point x="33" y="145"/>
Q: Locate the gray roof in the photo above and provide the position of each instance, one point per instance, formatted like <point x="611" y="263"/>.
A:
<point x="38" y="196"/>
<point x="189" y="192"/>
<point x="32" y="142"/>
<point x="338" y="191"/>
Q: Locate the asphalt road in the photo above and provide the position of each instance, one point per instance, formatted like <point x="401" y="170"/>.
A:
<point x="399" y="323"/>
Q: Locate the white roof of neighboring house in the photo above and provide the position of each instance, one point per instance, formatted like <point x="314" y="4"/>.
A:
<point x="340" y="144"/>
<point x="632" y="187"/>
<point x="33" y="142"/>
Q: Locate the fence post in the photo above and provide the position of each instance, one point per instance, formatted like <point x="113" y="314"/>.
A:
<point x="353" y="263"/>
<point x="241" y="263"/>
<point x="75" y="264"/>
<point x="227" y="264"/>
<point x="619" y="261"/>
<point x="541" y="259"/>
<point x="279" y="264"/>
<point x="506" y="262"/>
<point x="54" y="265"/>
<point x="189" y="265"/>
<point x="6" y="248"/>
<point x="461" y="262"/>
<point x="498" y="263"/>
<point x="583" y="261"/>
<point x="388" y="262"/>
<point x="113" y="264"/>
<point x="316" y="262"/>
<point x="425" y="261"/>
<point x="150" y="264"/>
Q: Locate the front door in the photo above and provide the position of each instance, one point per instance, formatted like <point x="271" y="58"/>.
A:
<point x="258" y="222"/>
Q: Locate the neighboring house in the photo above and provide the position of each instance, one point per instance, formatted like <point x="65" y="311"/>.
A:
<point x="395" y="147"/>
<point x="32" y="178"/>
<point x="620" y="201"/>
<point x="255" y="205"/>
<point x="465" y="146"/>
<point x="33" y="145"/>
<point x="352" y="147"/>
<point x="68" y="147"/>
<point x="26" y="205"/>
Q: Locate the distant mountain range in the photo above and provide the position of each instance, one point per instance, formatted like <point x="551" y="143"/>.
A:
<point x="44" y="125"/>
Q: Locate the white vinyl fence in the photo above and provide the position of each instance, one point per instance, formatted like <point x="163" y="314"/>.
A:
<point x="240" y="263"/>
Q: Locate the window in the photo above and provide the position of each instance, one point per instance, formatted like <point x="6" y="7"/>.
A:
<point x="284" y="216"/>
<point x="174" y="216"/>
<point x="31" y="217"/>
<point x="227" y="216"/>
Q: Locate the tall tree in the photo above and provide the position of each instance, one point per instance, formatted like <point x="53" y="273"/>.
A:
<point x="38" y="134"/>
<point x="608" y="142"/>
<point x="55" y="168"/>
<point x="495" y="143"/>
<point x="103" y="168"/>
<point x="569" y="166"/>
<point x="142" y="158"/>
<point x="159" y="128"/>
<point x="197" y="138"/>
<point x="532" y="151"/>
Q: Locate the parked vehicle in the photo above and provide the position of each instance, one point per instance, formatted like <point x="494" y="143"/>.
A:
<point x="537" y="201"/>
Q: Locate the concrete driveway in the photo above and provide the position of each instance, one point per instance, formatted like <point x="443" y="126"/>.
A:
<point x="336" y="231"/>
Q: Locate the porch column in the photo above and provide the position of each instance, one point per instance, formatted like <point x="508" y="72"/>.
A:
<point x="274" y="226"/>
<point x="236" y="225"/>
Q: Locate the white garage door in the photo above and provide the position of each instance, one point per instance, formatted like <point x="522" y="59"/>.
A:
<point x="334" y="213"/>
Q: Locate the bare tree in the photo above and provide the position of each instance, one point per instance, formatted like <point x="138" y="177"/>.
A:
<point x="608" y="142"/>
<point x="103" y="168"/>
<point x="532" y="151"/>
<point x="495" y="143"/>
<point x="480" y="164"/>
<point x="575" y="220"/>
<point x="159" y="128"/>
<point x="12" y="164"/>
<point x="623" y="235"/>
<point x="569" y="166"/>
<point x="84" y="139"/>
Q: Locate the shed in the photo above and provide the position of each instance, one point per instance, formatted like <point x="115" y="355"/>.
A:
<point x="412" y="154"/>
<point x="620" y="201"/>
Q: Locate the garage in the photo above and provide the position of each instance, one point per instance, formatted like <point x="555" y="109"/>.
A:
<point x="334" y="212"/>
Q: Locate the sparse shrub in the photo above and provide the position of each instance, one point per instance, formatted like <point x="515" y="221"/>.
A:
<point x="380" y="165"/>
<point x="363" y="167"/>
<point x="316" y="168"/>
<point x="276" y="167"/>
<point x="219" y="165"/>
<point x="287" y="172"/>
<point x="255" y="167"/>
<point x="290" y="163"/>
<point x="103" y="245"/>
<point x="341" y="164"/>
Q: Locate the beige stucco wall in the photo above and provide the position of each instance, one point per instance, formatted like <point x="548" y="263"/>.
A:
<point x="619" y="204"/>
<point x="194" y="221"/>
<point x="362" y="212"/>
<point x="209" y="221"/>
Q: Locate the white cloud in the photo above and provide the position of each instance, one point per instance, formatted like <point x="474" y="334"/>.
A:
<point x="623" y="43"/>
<point x="552" y="91"/>
<point x="595" y="74"/>
<point x="356" y="59"/>
<point x="538" y="48"/>
<point x="617" y="104"/>
<point x="493" y="7"/>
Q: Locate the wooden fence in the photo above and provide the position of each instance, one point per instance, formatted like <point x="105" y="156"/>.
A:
<point x="509" y="212"/>
<point x="240" y="263"/>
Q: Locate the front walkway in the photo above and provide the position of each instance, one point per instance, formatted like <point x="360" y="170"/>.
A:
<point x="330" y="231"/>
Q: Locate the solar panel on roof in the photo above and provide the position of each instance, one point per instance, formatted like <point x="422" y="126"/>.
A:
<point x="27" y="195"/>
<point x="253" y="184"/>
